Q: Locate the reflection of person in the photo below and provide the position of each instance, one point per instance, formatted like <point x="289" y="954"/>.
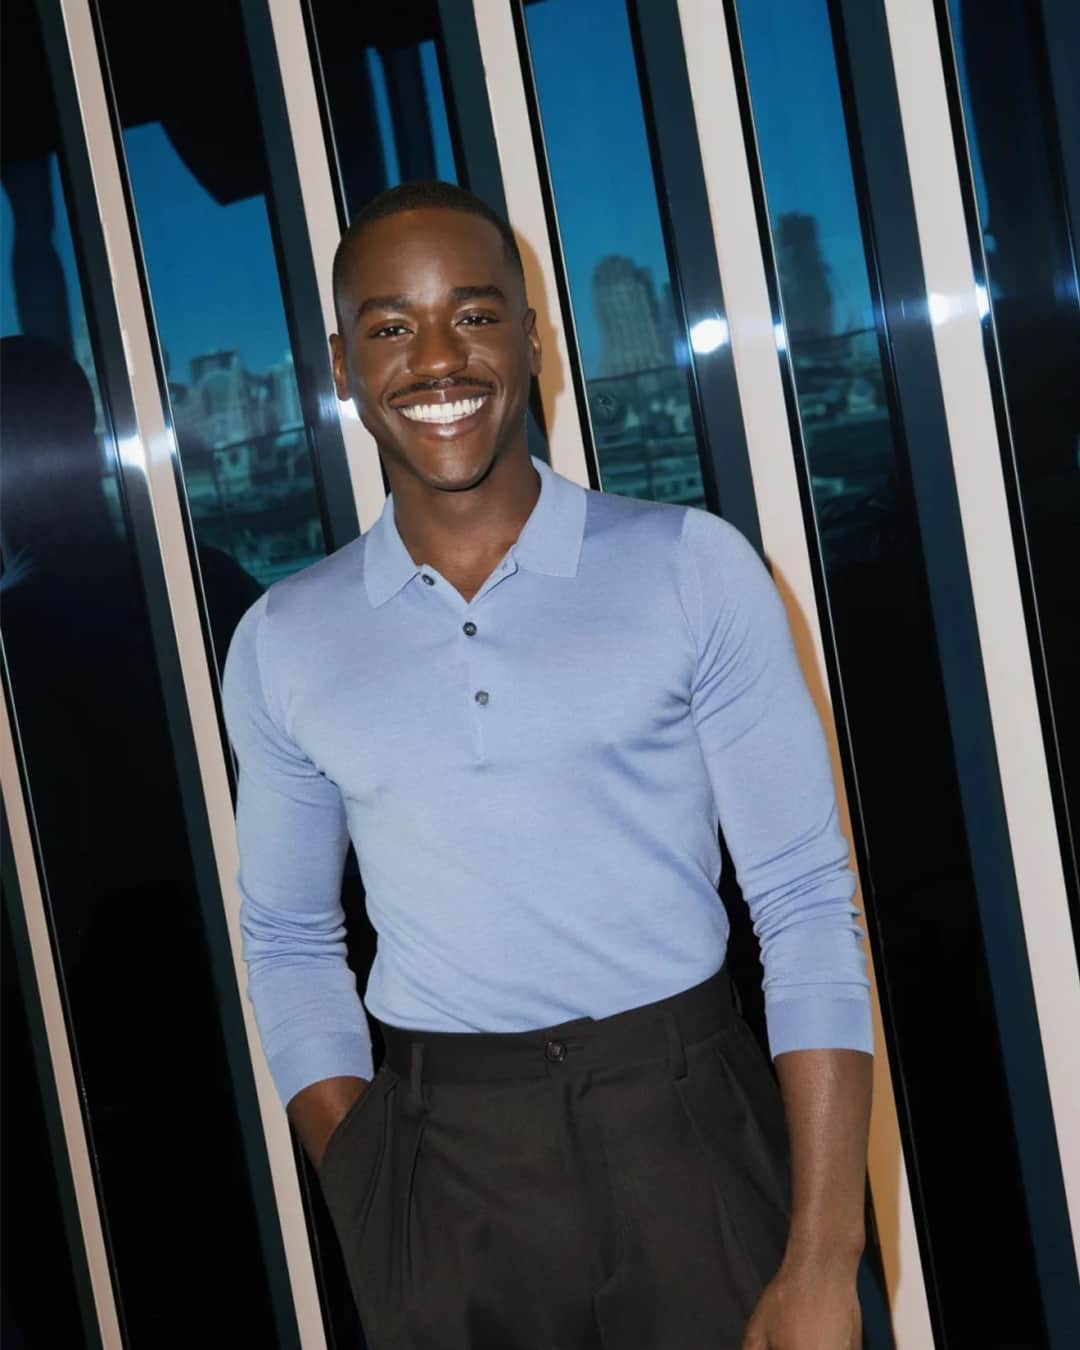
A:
<point x="127" y="925"/>
<point x="56" y="525"/>
<point x="528" y="704"/>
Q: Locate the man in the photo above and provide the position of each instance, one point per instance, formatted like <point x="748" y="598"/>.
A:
<point x="528" y="705"/>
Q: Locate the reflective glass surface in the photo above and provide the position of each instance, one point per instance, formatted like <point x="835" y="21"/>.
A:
<point x="199" y="179"/>
<point x="633" y="350"/>
<point x="126" y="919"/>
<point x="917" y="873"/>
<point x="385" y="100"/>
<point x="1019" y="139"/>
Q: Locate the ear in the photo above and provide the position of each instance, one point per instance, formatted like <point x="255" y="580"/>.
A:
<point x="337" y="360"/>
<point x="532" y="336"/>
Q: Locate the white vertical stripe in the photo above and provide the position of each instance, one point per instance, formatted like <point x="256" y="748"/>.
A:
<point x="965" y="382"/>
<point x="525" y="205"/>
<point x="772" y="462"/>
<point x="60" y="1058"/>
<point x="151" y="454"/>
<point x="316" y="189"/>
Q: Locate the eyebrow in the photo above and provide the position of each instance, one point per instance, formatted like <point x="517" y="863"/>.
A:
<point x="490" y="292"/>
<point x="402" y="302"/>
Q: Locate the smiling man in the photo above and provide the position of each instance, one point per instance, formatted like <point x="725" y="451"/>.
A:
<point x="529" y="706"/>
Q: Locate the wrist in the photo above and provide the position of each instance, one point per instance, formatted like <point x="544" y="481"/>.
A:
<point x="823" y="1250"/>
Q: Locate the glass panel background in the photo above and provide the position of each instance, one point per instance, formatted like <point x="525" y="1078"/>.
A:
<point x="1033" y="299"/>
<point x="386" y="103"/>
<point x="125" y="914"/>
<point x="211" y="243"/>
<point x="917" y="873"/>
<point x="199" y="180"/>
<point x="633" y="349"/>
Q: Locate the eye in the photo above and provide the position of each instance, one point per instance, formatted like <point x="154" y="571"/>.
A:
<point x="477" y="320"/>
<point x="388" y="330"/>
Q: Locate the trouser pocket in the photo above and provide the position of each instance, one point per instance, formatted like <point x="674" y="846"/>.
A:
<point x="351" y="1173"/>
<point x="734" y="1105"/>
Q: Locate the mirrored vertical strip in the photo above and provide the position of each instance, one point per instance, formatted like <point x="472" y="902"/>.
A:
<point x="682" y="196"/>
<point x="520" y="160"/>
<point x="19" y="840"/>
<point x="783" y="528"/>
<point x="476" y="152"/>
<point x="151" y="488"/>
<point x="323" y="222"/>
<point x="471" y="127"/>
<point x="979" y="626"/>
<point x="1015" y="164"/>
<point x="276" y="78"/>
<point x="1061" y="30"/>
<point x="957" y="326"/>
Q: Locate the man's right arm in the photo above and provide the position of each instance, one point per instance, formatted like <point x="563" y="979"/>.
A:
<point x="318" y="1110"/>
<point x="293" y="838"/>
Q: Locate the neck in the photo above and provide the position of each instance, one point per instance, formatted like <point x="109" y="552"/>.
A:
<point x="465" y="533"/>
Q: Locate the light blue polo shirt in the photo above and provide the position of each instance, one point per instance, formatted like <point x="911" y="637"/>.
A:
<point x="532" y="783"/>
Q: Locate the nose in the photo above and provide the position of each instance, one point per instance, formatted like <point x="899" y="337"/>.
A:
<point x="437" y="351"/>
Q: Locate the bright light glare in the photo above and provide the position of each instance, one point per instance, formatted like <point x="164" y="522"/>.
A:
<point x="709" y="334"/>
<point x="941" y="307"/>
<point x="781" y="337"/>
<point x="131" y="452"/>
<point x="982" y="301"/>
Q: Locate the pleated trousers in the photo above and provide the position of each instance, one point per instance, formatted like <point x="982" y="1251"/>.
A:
<point x="611" y="1184"/>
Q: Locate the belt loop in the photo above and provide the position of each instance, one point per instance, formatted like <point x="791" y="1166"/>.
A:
<point x="416" y="1073"/>
<point x="676" y="1053"/>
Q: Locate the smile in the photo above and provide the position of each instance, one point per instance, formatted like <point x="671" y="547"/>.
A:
<point x="444" y="412"/>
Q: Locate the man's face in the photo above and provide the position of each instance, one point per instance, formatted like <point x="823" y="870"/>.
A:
<point x="437" y="345"/>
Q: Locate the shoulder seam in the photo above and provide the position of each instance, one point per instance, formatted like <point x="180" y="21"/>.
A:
<point x="258" y="645"/>
<point x="680" y="563"/>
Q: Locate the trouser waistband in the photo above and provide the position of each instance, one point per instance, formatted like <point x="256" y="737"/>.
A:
<point x="653" y="1031"/>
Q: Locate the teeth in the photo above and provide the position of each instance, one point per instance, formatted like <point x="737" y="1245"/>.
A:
<point x="443" y="412"/>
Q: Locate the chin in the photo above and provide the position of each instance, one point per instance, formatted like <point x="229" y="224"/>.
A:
<point x="449" y="468"/>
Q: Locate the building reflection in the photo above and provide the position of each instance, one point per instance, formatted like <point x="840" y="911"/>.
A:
<point x="247" y="464"/>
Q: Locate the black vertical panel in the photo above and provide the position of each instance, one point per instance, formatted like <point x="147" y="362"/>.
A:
<point x="475" y="148"/>
<point x="39" y="1220"/>
<point x="1061" y="40"/>
<point x="891" y="235"/>
<point x="1015" y="176"/>
<point x="684" y="211"/>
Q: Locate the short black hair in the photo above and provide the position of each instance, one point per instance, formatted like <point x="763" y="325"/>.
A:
<point x="424" y="193"/>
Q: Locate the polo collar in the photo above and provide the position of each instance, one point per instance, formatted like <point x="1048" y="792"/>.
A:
<point x="549" y="543"/>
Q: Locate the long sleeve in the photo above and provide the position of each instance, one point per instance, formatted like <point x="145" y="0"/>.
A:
<point x="293" y="839"/>
<point x="768" y="763"/>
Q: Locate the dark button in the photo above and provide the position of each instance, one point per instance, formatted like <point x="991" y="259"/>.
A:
<point x="555" y="1052"/>
<point x="469" y="629"/>
<point x="481" y="696"/>
<point x="428" y="581"/>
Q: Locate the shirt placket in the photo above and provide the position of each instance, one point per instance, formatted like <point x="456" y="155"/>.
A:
<point x="474" y="620"/>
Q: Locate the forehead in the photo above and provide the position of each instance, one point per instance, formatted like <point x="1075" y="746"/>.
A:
<point x="426" y="248"/>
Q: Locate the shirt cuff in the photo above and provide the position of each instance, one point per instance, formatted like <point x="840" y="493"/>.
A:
<point x="333" y="1055"/>
<point x="821" y="1022"/>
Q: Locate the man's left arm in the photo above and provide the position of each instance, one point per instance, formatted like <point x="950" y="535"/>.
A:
<point x="811" y="1303"/>
<point x="769" y="766"/>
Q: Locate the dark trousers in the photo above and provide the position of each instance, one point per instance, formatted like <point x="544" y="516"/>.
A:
<point x="618" y="1184"/>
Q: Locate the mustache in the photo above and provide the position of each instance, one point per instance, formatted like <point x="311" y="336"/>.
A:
<point x="440" y="386"/>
